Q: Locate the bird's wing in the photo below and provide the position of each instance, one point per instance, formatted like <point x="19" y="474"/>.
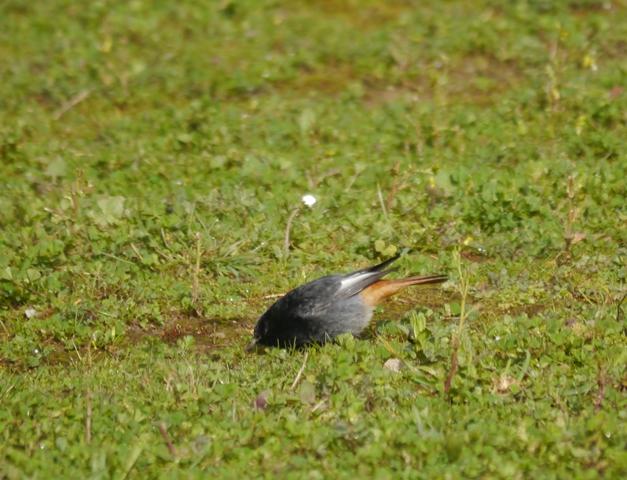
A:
<point x="312" y="298"/>
<point x="376" y="268"/>
<point x="353" y="283"/>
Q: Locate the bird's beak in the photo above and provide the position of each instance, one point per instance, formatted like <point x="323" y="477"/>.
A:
<point x="253" y="346"/>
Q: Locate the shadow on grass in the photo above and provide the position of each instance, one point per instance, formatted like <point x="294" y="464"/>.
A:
<point x="208" y="334"/>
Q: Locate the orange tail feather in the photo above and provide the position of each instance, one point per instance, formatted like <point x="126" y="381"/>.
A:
<point x="379" y="291"/>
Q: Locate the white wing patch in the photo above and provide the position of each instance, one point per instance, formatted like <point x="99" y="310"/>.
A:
<point x="356" y="283"/>
<point x="350" y="281"/>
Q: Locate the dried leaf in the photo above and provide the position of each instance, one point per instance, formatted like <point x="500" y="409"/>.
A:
<point x="261" y="402"/>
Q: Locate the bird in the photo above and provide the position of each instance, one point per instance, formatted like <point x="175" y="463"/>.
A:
<point x="322" y="309"/>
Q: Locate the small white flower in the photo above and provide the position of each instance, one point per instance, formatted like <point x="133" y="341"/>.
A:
<point x="30" y="313"/>
<point x="309" y="200"/>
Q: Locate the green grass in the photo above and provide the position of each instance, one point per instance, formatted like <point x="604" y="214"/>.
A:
<point x="139" y="138"/>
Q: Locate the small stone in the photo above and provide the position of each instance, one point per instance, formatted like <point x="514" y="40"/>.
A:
<point x="504" y="383"/>
<point x="30" y="313"/>
<point x="393" y="365"/>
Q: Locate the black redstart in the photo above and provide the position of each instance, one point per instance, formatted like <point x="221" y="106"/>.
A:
<point x="329" y="306"/>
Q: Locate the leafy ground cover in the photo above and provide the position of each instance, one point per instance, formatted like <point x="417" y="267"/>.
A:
<point x="153" y="159"/>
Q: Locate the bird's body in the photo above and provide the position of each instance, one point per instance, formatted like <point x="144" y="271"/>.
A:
<point x="329" y="306"/>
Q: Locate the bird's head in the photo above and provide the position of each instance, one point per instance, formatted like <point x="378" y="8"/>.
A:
<point x="260" y="334"/>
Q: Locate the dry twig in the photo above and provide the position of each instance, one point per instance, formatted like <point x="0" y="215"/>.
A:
<point x="300" y="372"/>
<point x="288" y="228"/>
<point x="463" y="287"/>
<point x="272" y="295"/>
<point x="380" y="195"/>
<point x="71" y="103"/>
<point x="166" y="438"/>
<point x="88" y="415"/>
<point x="196" y="275"/>
<point x="600" y="396"/>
